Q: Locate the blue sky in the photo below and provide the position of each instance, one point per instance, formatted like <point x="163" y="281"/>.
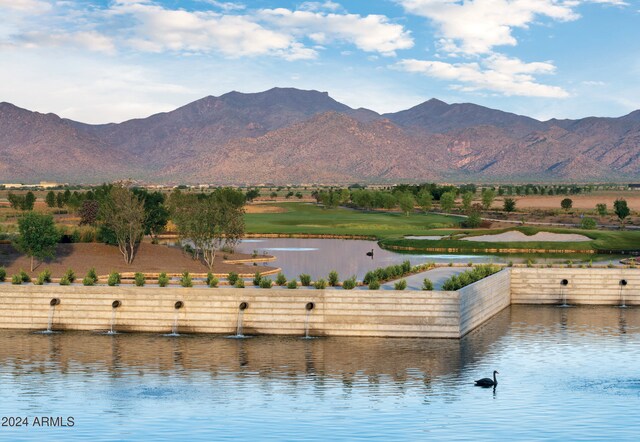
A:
<point x="108" y="61"/>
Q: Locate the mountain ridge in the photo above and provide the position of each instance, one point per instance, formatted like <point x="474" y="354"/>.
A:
<point x="287" y="135"/>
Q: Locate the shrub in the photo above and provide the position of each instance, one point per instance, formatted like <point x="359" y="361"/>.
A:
<point x="16" y="279"/>
<point x="588" y="223"/>
<point x="305" y="280"/>
<point x="293" y="284"/>
<point x="24" y="276"/>
<point x="46" y="275"/>
<point x="406" y="266"/>
<point x="281" y="279"/>
<point x="213" y="282"/>
<point x="256" y="279"/>
<point x="65" y="280"/>
<point x="113" y="279"/>
<point x="92" y="274"/>
<point x="427" y="284"/>
<point x="374" y="284"/>
<point x="333" y="278"/>
<point x="265" y="283"/>
<point x="185" y="280"/>
<point x="163" y="279"/>
<point x="209" y="278"/>
<point x="400" y="285"/>
<point x="39" y="280"/>
<point x="349" y="284"/>
<point x="70" y="275"/>
<point x="139" y="279"/>
<point x="510" y="264"/>
<point x="320" y="284"/>
<point x="88" y="280"/>
<point x="239" y="283"/>
<point x="3" y="274"/>
<point x="456" y="282"/>
<point x="232" y="277"/>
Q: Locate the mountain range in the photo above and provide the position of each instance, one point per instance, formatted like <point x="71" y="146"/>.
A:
<point x="288" y="136"/>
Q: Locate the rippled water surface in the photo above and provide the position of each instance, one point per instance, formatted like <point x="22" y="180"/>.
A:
<point x="565" y="374"/>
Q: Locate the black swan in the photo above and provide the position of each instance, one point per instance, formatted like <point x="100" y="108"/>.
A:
<point x="370" y="253"/>
<point x="488" y="382"/>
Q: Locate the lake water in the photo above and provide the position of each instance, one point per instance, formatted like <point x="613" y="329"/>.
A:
<point x="318" y="257"/>
<point x="565" y="374"/>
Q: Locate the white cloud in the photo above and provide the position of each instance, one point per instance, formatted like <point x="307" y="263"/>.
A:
<point x="318" y="6"/>
<point x="477" y="26"/>
<point x="158" y="29"/>
<point x="30" y="6"/>
<point x="497" y="73"/>
<point x="226" y="6"/>
<point x="90" y="40"/>
<point x="371" y="33"/>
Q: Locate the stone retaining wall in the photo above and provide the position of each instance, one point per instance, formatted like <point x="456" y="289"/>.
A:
<point x="382" y="313"/>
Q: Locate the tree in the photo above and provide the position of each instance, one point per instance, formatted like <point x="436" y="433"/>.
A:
<point x="29" y="201"/>
<point x="621" y="210"/>
<point x="474" y="219"/>
<point x="488" y="196"/>
<point x="252" y="194"/>
<point x="38" y="236"/>
<point x="60" y="200"/>
<point x="50" y="199"/>
<point x="156" y="214"/>
<point x="509" y="205"/>
<point x="89" y="212"/>
<point x="209" y="221"/>
<point x="425" y="200"/>
<point x="467" y="198"/>
<point x="123" y="213"/>
<point x="447" y="201"/>
<point x="602" y="209"/>
<point x="406" y="202"/>
<point x="566" y="203"/>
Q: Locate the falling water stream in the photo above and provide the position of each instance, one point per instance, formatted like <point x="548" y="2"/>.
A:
<point x="306" y="324"/>
<point x="239" y="324"/>
<point x="622" y="301"/>
<point x="113" y="322"/>
<point x="52" y="311"/>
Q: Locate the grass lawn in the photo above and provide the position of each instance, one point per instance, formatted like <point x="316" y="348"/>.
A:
<point x="311" y="219"/>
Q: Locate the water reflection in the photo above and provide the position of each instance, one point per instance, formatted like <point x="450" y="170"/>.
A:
<point x="128" y="386"/>
<point x="318" y="257"/>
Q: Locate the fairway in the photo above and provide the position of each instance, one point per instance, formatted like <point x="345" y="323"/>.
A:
<point x="306" y="218"/>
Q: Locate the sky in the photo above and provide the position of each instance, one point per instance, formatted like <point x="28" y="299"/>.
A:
<point x="109" y="61"/>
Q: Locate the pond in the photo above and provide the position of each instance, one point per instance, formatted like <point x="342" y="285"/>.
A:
<point x="565" y="374"/>
<point x="318" y="257"/>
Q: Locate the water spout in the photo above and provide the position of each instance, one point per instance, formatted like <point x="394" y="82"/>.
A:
<point x="563" y="292"/>
<point x="623" y="284"/>
<point x="52" y="311"/>
<point x="114" y="307"/>
<point x="309" y="307"/>
<point x="241" y="308"/>
<point x="174" y="328"/>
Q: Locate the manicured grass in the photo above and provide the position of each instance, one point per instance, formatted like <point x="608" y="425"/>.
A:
<point x="610" y="240"/>
<point x="301" y="218"/>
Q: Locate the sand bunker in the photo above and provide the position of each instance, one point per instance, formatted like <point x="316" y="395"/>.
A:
<point x="516" y="236"/>
<point x="432" y="238"/>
